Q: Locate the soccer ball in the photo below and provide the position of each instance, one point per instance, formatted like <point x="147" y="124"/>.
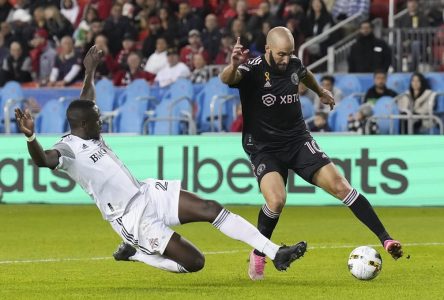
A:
<point x="364" y="263"/>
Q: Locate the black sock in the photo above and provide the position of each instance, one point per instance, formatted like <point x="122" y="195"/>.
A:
<point x="363" y="210"/>
<point x="266" y="222"/>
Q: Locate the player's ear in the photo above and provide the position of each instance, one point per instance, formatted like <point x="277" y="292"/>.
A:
<point x="267" y="49"/>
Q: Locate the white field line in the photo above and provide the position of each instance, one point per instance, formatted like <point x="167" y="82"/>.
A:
<point x="48" y="260"/>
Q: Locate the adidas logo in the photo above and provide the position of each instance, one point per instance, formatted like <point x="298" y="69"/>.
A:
<point x="267" y="84"/>
<point x="84" y="146"/>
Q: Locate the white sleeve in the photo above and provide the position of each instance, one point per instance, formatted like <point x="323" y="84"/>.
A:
<point x="75" y="69"/>
<point x="67" y="156"/>
<point x="54" y="74"/>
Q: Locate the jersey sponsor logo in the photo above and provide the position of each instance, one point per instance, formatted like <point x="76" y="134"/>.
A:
<point x="268" y="99"/>
<point x="260" y="169"/>
<point x="98" y="155"/>
<point x="295" y="78"/>
<point x="289" y="99"/>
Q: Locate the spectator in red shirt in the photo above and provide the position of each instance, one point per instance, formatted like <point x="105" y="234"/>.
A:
<point x="194" y="47"/>
<point x="128" y="45"/>
<point x="108" y="65"/>
<point x="132" y="72"/>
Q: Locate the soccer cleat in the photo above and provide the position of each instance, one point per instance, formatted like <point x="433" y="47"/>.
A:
<point x="394" y="248"/>
<point x="256" y="267"/>
<point x="288" y="254"/>
<point x="124" y="252"/>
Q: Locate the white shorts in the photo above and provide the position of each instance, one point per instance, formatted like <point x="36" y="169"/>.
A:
<point x="145" y="223"/>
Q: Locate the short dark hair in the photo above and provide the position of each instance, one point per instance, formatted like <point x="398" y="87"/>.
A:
<point x="366" y="22"/>
<point x="379" y="71"/>
<point x="329" y="78"/>
<point x="76" y="110"/>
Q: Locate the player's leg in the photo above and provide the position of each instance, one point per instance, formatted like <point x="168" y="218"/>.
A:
<point x="194" y="209"/>
<point x="329" y="179"/>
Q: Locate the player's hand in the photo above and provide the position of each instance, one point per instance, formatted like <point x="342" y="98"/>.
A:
<point x="238" y="56"/>
<point x="92" y="58"/>
<point x="326" y="98"/>
<point x="25" y="122"/>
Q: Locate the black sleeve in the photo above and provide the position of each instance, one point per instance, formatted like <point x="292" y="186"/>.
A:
<point x="246" y="70"/>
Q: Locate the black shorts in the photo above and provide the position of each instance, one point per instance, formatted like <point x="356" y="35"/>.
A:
<point x="304" y="158"/>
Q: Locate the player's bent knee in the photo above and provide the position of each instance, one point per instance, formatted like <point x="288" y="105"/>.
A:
<point x="197" y="264"/>
<point x="340" y="187"/>
<point x="212" y="209"/>
<point x="276" y="202"/>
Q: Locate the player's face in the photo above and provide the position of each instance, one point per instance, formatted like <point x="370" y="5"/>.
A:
<point x="94" y="124"/>
<point x="280" y="57"/>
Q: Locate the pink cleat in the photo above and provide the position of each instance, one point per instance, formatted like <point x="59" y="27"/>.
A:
<point x="256" y="267"/>
<point x="394" y="248"/>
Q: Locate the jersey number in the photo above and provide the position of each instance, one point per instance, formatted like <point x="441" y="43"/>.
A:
<point x="313" y="147"/>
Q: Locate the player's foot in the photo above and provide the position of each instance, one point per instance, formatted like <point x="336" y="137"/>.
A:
<point x="288" y="254"/>
<point x="124" y="252"/>
<point x="256" y="267"/>
<point x="394" y="248"/>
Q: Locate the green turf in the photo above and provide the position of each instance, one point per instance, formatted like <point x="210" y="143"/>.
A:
<point x="35" y="232"/>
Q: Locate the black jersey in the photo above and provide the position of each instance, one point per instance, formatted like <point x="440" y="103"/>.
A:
<point x="270" y="104"/>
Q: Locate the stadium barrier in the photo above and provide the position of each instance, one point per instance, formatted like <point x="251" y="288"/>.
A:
<point x="389" y="170"/>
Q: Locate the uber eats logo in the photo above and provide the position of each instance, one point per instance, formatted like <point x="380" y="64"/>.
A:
<point x="196" y="167"/>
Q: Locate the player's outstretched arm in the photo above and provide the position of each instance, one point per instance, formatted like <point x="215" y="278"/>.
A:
<point x="324" y="95"/>
<point x="48" y="158"/>
<point x="91" y="60"/>
<point x="230" y="74"/>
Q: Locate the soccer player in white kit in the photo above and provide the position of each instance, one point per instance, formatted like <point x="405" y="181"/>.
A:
<point x="141" y="212"/>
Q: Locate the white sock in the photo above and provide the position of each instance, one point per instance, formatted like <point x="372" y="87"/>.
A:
<point x="240" y="229"/>
<point x="158" y="261"/>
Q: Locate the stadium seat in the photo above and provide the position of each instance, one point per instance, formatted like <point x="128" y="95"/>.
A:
<point x="349" y="84"/>
<point x="130" y="117"/>
<point x="386" y="106"/>
<point x="136" y="90"/>
<point x="307" y="106"/>
<point x="436" y="81"/>
<point x="175" y="107"/>
<point x="366" y="81"/>
<point x="338" y="118"/>
<point x="213" y="93"/>
<point x="52" y="117"/>
<point x="11" y="91"/>
<point x="105" y="98"/>
<point x="399" y="82"/>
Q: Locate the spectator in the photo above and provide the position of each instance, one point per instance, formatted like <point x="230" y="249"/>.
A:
<point x="376" y="52"/>
<point x="420" y="100"/>
<point x="96" y="28"/>
<point x="115" y="28"/>
<point x="67" y="65"/>
<point x="38" y="20"/>
<point x="194" y="47"/>
<point x="3" y="49"/>
<point x="343" y="9"/>
<point x="296" y="13"/>
<point x="16" y="66"/>
<point x="241" y="13"/>
<point x="357" y="123"/>
<point x="5" y="9"/>
<point x="80" y="35"/>
<point x="158" y="60"/>
<point x="70" y="9"/>
<point x="238" y="123"/>
<point x="226" y="47"/>
<point x="108" y="65"/>
<point x="200" y="72"/>
<point x="258" y="45"/>
<point x="42" y="55"/>
<point x="168" y="26"/>
<point x="173" y="71"/>
<point x="319" y="20"/>
<point x="187" y="21"/>
<point x="254" y="25"/>
<point x="21" y="28"/>
<point x="238" y="30"/>
<point x="414" y="18"/>
<point x="132" y="72"/>
<point x="156" y="31"/>
<point x="379" y="88"/>
<point x="128" y="46"/>
<point x="320" y="123"/>
<point x="211" y="36"/>
<point x="42" y="3"/>
<point x="328" y="83"/>
<point x="6" y="32"/>
<point x="227" y="12"/>
<point x="58" y="26"/>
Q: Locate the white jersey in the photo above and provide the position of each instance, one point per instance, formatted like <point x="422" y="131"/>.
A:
<point x="93" y="165"/>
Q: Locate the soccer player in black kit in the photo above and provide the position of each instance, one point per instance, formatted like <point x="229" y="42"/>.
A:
<point x="276" y="138"/>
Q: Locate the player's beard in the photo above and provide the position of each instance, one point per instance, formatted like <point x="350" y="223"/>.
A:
<point x="274" y="65"/>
